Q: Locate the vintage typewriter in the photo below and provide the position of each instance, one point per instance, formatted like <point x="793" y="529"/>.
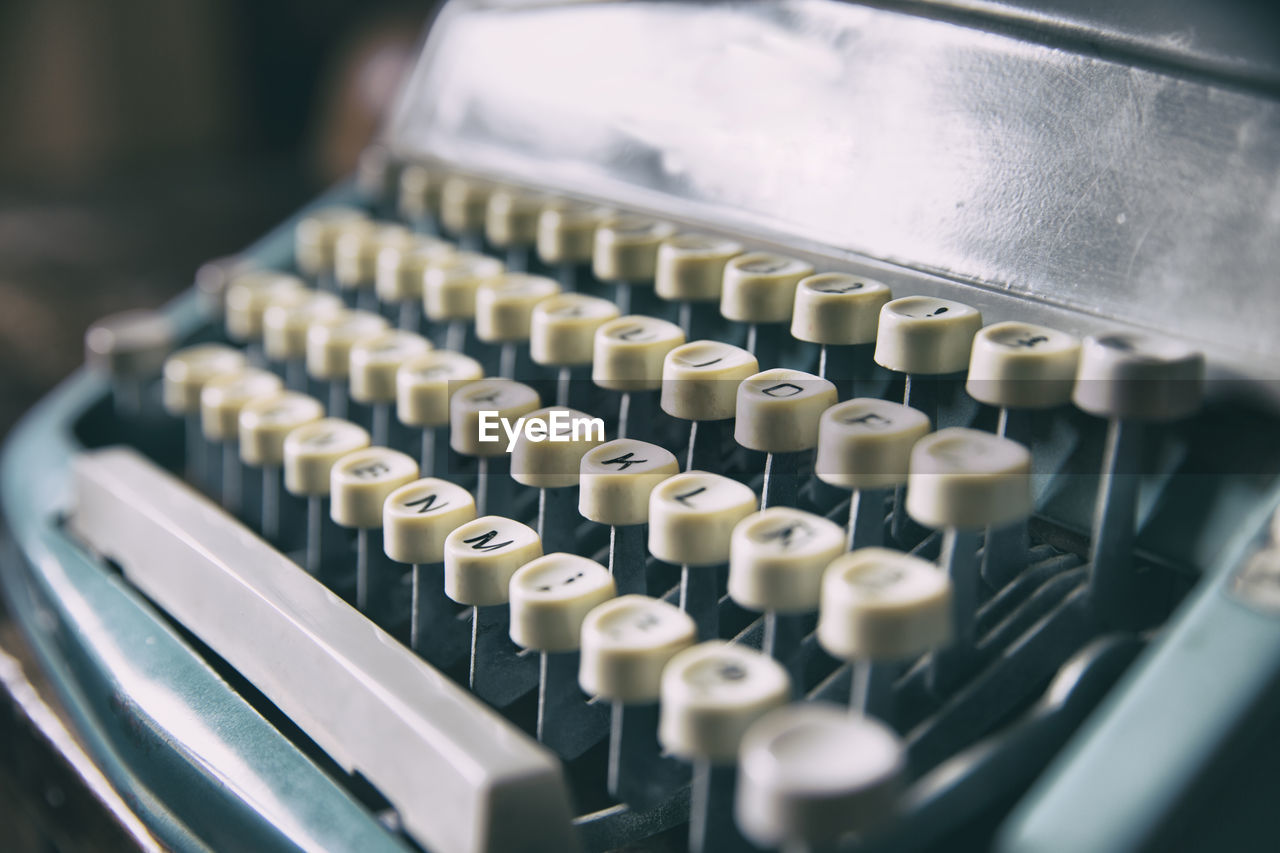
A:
<point x="933" y="346"/>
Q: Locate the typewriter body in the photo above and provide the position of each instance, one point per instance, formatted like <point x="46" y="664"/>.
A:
<point x="256" y="659"/>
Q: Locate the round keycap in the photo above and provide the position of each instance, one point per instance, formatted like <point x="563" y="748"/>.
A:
<point x="402" y="267"/>
<point x="712" y="693"/>
<point x="562" y="332"/>
<point x="418" y="517"/>
<point x="265" y="423"/>
<point x="691" y="267"/>
<point x="700" y="380"/>
<point x="1128" y="375"/>
<point x="449" y="286"/>
<point x="187" y="371"/>
<point x="285" y="323"/>
<point x="692" y="516"/>
<point x="567" y="231"/>
<point x="375" y="172"/>
<point x="865" y="443"/>
<point x="617" y="478"/>
<point x="425" y="382"/>
<point x="811" y="774"/>
<point x="550" y="598"/>
<point x="777" y="557"/>
<point x="1022" y="366"/>
<point x="549" y="450"/>
<point x="479" y="410"/>
<point x="223" y="396"/>
<point x="630" y="352"/>
<point x="316" y="234"/>
<point x="463" y="202"/>
<point x="511" y="218"/>
<point x="330" y="339"/>
<point x="481" y="556"/>
<point x="883" y="605"/>
<point x="968" y="479"/>
<point x="375" y="361"/>
<point x="837" y="308"/>
<point x="129" y="344"/>
<point x="626" y="642"/>
<point x="925" y="335"/>
<point x="778" y="410"/>
<point x="760" y="287"/>
<point x="360" y="482"/>
<point x="250" y="294"/>
<point x="504" y="305"/>
<point x="355" y="253"/>
<point x="626" y="247"/>
<point x="419" y="192"/>
<point x="311" y="450"/>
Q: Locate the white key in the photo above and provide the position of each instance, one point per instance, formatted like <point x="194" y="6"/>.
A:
<point x="630" y="352"/>
<point x="223" y="396"/>
<point x="968" y="479"/>
<point x="418" y="517"/>
<point x="865" y="443"/>
<point x="692" y="516"/>
<point x="425" y="382"/>
<point x="330" y="339"/>
<point x="777" y="557"/>
<point x="449" y="286"/>
<point x="838" y="309"/>
<point x="626" y="642"/>
<point x="551" y="596"/>
<point x="778" y="410"/>
<point x="187" y="371"/>
<point x="617" y="477"/>
<point x="690" y="267"/>
<point x="1022" y="366"/>
<point x="926" y="335"/>
<point x="375" y="362"/>
<point x="563" y="328"/>
<point x="496" y="399"/>
<point x="250" y="294"/>
<point x="511" y="218"/>
<point x="316" y="234"/>
<point x="463" y="203"/>
<point x="265" y="423"/>
<point x="700" y="380"/>
<point x="567" y="231"/>
<point x="360" y="482"/>
<point x="504" y="305"/>
<point x="1132" y="376"/>
<point x="355" y="252"/>
<point x="311" y="450"/>
<point x="626" y="247"/>
<point x="285" y="323"/>
<point x="760" y="287"/>
<point x="481" y="556"/>
<point x="402" y="267"/>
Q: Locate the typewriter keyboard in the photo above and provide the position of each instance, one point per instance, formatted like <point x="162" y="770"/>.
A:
<point x="555" y="525"/>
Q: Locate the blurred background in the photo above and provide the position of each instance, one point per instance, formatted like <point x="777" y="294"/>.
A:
<point x="141" y="138"/>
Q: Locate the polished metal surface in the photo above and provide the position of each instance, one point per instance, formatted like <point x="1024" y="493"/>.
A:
<point x="1092" y="192"/>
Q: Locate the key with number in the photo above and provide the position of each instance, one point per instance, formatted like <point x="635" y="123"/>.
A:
<point x="401" y="270"/>
<point x="310" y="452"/>
<point x="504" y="315"/>
<point x="628" y="357"/>
<point x="711" y="695"/>
<point x="760" y="291"/>
<point x="329" y="342"/>
<point x="690" y="273"/>
<point x="511" y="224"/>
<point x="375" y="361"/>
<point x="926" y="338"/>
<point x="562" y="335"/>
<point x="479" y="559"/>
<point x="265" y="423"/>
<point x="483" y="416"/>
<point x="700" y="385"/>
<point x="424" y="384"/>
<point x="691" y="521"/>
<point x="626" y="255"/>
<point x="314" y="239"/>
<point x="841" y="312"/>
<point x="546" y="456"/>
<point x="777" y="413"/>
<point x="221" y="400"/>
<point x="550" y="598"/>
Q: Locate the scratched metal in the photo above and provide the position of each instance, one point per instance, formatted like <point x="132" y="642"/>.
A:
<point x="1117" y="193"/>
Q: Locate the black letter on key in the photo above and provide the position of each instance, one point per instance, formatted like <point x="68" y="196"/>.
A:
<point x="370" y="470"/>
<point x="780" y="388"/>
<point x="624" y="460"/>
<point x="684" y="499"/>
<point x="427" y="504"/>
<point x="482" y="542"/>
<point x="870" y="419"/>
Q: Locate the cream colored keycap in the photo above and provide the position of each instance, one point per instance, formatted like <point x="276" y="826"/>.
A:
<point x="496" y="399"/>
<point x="811" y="774"/>
<point x="778" y="410"/>
<point x="375" y="361"/>
<point x="760" y="287"/>
<point x="355" y="253"/>
<point x="330" y="339"/>
<point x="630" y="352"/>
<point x="504" y="305"/>
<point x="626" y="247"/>
<point x="1129" y="375"/>
<point x="567" y="231"/>
<point x="700" y="380"/>
<point x="187" y="371"/>
<point x="712" y="693"/>
<point x="375" y="170"/>
<point x="418" y="517"/>
<point x="562" y="331"/>
<point x="692" y="516"/>
<point x="285" y="323"/>
<point x="311" y="450"/>
<point x="481" y="556"/>
<point x="968" y="479"/>
<point x="550" y="598"/>
<point x="223" y="396"/>
<point x="626" y="642"/>
<point x="316" y="234"/>
<point x="425" y="382"/>
<point x="265" y="423"/>
<point x="776" y="559"/>
<point x="617" y="478"/>
<point x="131" y="344"/>
<point x="250" y="294"/>
<point x="511" y="218"/>
<point x="212" y="279"/>
<point x="691" y="267"/>
<point x="837" y="308"/>
<point x="402" y="267"/>
<point x="865" y="443"/>
<point x="883" y="605"/>
<point x="549" y="450"/>
<point x="360" y="482"/>
<point x="463" y="203"/>
<point x="449" y="286"/>
<point x="419" y="192"/>
<point x="1022" y="366"/>
<point x="925" y="335"/>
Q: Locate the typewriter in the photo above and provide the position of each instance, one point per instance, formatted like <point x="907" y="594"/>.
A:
<point x="735" y="426"/>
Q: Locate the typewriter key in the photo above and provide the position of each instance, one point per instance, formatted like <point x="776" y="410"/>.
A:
<point x="424" y="384"/>
<point x="130" y="348"/>
<point x="309" y="454"/>
<point x="221" y="400"/>
<point x="314" y="240"/>
<point x="483" y="419"/>
<point x="626" y="255"/>
<point x="265" y="422"/>
<point x="546" y="455"/>
<point x="511" y="224"/>
<point x="374" y="363"/>
<point x="284" y="331"/>
<point x="841" y="312"/>
<point x="449" y="297"/>
<point x="504" y="315"/>
<point x="401" y="269"/>
<point x="418" y="198"/>
<point x="700" y="384"/>
<point x="329" y="342"/>
<point x="760" y="290"/>
<point x="628" y="356"/>
<point x="562" y="334"/>
<point x="463" y="203"/>
<point x="925" y="338"/>
<point x="248" y="297"/>
<point x="355" y="259"/>
<point x="690" y="273"/>
<point x="777" y="413"/>
<point x="566" y="240"/>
